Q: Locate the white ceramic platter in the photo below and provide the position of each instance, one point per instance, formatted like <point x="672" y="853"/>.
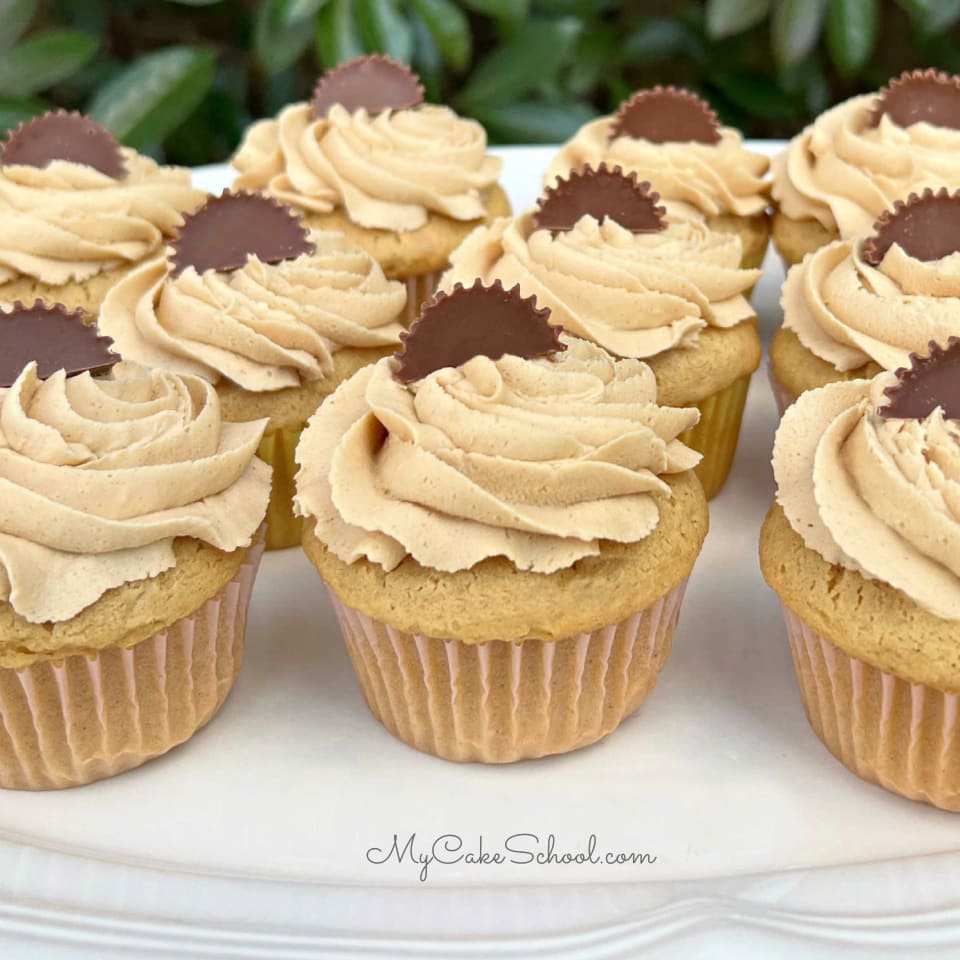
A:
<point x="252" y="840"/>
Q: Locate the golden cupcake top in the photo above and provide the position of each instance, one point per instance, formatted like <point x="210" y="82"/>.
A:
<point x="104" y="463"/>
<point x="251" y="297"/>
<point x="489" y="435"/>
<point x="884" y="296"/>
<point x="672" y="137"/>
<point x="367" y="144"/>
<point x="74" y="203"/>
<point x="860" y="157"/>
<point x="603" y="255"/>
<point x="868" y="475"/>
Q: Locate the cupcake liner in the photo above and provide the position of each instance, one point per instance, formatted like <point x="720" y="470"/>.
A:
<point x="903" y="736"/>
<point x="278" y="448"/>
<point x="716" y="435"/>
<point x="782" y="397"/>
<point x="66" y="722"/>
<point x="502" y="701"/>
<point x="420" y="288"/>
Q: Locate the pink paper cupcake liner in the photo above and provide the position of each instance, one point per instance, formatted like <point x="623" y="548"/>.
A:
<point x="70" y="721"/>
<point x="903" y="736"/>
<point x="502" y="701"/>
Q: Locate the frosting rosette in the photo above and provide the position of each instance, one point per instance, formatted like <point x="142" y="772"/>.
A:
<point x="636" y="294"/>
<point x="849" y="311"/>
<point x="535" y="460"/>
<point x="67" y="222"/>
<point x="873" y="493"/>
<point x="843" y="171"/>
<point x="263" y="326"/>
<point x="98" y="475"/>
<point x="388" y="171"/>
<point x="709" y="179"/>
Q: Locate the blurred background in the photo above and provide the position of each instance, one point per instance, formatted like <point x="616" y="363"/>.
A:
<point x="181" y="79"/>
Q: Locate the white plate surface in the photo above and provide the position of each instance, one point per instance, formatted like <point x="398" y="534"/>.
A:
<point x="252" y="840"/>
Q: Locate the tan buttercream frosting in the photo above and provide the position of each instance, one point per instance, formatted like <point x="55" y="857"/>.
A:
<point x="67" y="222"/>
<point x="389" y="171"/>
<point x="536" y="460"/>
<point x="710" y="178"/>
<point x="635" y="294"/>
<point x="844" y="173"/>
<point x="848" y="312"/>
<point x="98" y="475"/>
<point x="263" y="326"/>
<point x="874" y="495"/>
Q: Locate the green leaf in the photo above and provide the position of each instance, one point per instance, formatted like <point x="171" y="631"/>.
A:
<point x="427" y="60"/>
<point x="449" y="28"/>
<point x="299" y="10"/>
<point x="279" y="40"/>
<point x="44" y="60"/>
<point x="598" y="51"/>
<point x="500" y="9"/>
<point x="527" y="59"/>
<point x="195" y="3"/>
<point x="91" y="16"/>
<point x="15" y="15"/>
<point x="756" y="94"/>
<point x="654" y="40"/>
<point x="534" y="121"/>
<point x="337" y="38"/>
<point x="727" y="17"/>
<point x="154" y="95"/>
<point x="851" y="33"/>
<point x="795" y="28"/>
<point x="384" y="29"/>
<point x="14" y="112"/>
<point x="932" y="15"/>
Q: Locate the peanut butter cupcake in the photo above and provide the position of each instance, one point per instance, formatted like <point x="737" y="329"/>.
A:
<point x="863" y="549"/>
<point x="128" y="548"/>
<point x="366" y="157"/>
<point x="856" y="307"/>
<point x="78" y="211"/>
<point x="857" y="159"/>
<point x="672" y="138"/>
<point x="612" y="268"/>
<point x="273" y="314"/>
<point x="506" y="522"/>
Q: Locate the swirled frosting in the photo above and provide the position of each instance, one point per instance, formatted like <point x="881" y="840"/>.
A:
<point x="533" y="460"/>
<point x="99" y="475"/>
<point x="848" y="312"/>
<point x="709" y="178"/>
<point x="635" y="294"/>
<point x="68" y="222"/>
<point x="880" y="497"/>
<point x="263" y="326"/>
<point x="844" y="173"/>
<point x="389" y="171"/>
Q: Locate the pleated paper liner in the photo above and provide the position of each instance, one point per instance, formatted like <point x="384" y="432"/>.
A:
<point x="69" y="721"/>
<point x="717" y="433"/>
<point x="420" y="288"/>
<point x="782" y="397"/>
<point x="502" y="701"/>
<point x="903" y="736"/>
<point x="278" y="448"/>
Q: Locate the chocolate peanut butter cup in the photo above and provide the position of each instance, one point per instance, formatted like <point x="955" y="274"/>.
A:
<point x="920" y="96"/>
<point x="666" y="115"/>
<point x="371" y="83"/>
<point x="929" y="382"/>
<point x="926" y="226"/>
<point x="475" y="321"/>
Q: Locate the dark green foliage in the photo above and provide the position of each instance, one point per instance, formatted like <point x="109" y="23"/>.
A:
<point x="181" y="79"/>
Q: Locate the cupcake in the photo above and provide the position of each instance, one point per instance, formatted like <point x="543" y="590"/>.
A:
<point x="129" y="541"/>
<point x="599" y="252"/>
<point x="274" y="315"/>
<point x="856" y="307"/>
<point x="505" y="521"/>
<point x="672" y="138"/>
<point x="863" y="549"/>
<point x="857" y="159"/>
<point x="78" y="211"/>
<point x="407" y="181"/>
